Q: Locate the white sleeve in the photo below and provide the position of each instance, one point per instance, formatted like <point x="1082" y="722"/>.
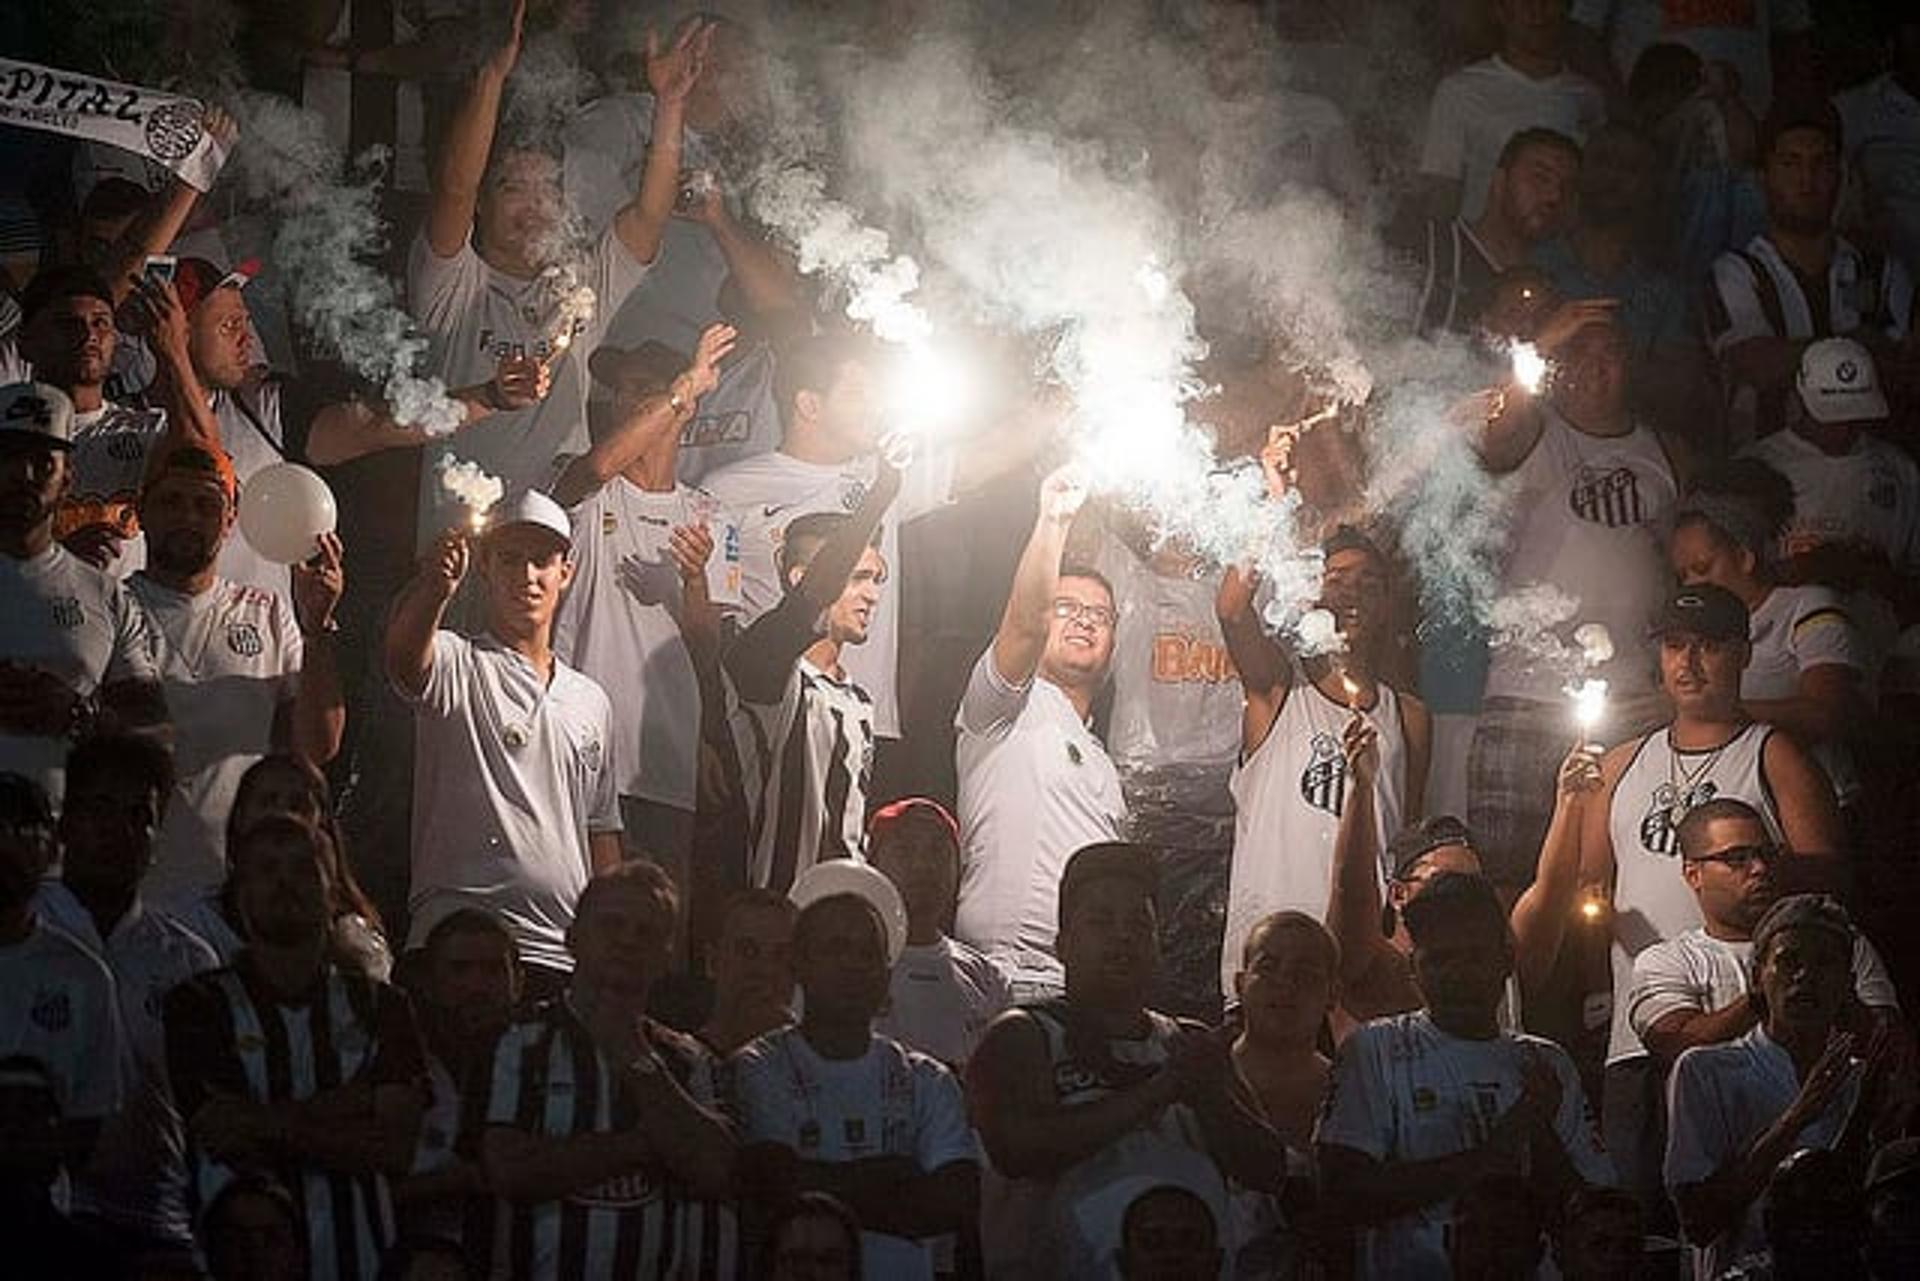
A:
<point x="1871" y="982"/>
<point x="1575" y="1125"/>
<point x="757" y="1092"/>
<point x="990" y="702"/>
<point x="616" y="274"/>
<point x="1358" y="1113"/>
<point x="1444" y="153"/>
<point x="1699" y="1138"/>
<point x="1662" y="985"/>
<point x="1739" y="313"/>
<point x="942" y="1135"/>
<point x="440" y="290"/>
<point x="132" y="657"/>
<point x="603" y="796"/>
<point x="449" y="672"/>
<point x="1824" y="635"/>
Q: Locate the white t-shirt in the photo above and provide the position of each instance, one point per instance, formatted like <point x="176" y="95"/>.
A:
<point x="1035" y="785"/>
<point x="476" y="316"/>
<point x="1174" y="730"/>
<point x="1477" y="108"/>
<point x="1794" y="630"/>
<point x="69" y="618"/>
<point x="1403" y="1090"/>
<point x="1719" y="1099"/>
<point x="108" y="465"/>
<point x="767" y="491"/>
<point x="228" y="658"/>
<point x="1590" y="516"/>
<point x="1291" y="793"/>
<point x="251" y="447"/>
<point x="943" y="996"/>
<point x="58" y="1005"/>
<point x="1737" y="32"/>
<point x="890" y="1101"/>
<point x="1651" y="898"/>
<point x="1696" y="971"/>
<point x="618" y="625"/>
<point x="1881" y="123"/>
<point x="510" y="777"/>
<point x="138" y="1174"/>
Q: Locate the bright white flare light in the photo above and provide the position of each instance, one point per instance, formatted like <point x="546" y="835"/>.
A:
<point x="1529" y="366"/>
<point x="927" y="392"/>
<point x="465" y="482"/>
<point x="1589" y="703"/>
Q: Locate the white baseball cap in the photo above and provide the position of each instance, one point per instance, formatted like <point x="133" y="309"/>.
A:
<point x="37" y="409"/>
<point x="1839" y="384"/>
<point x="860" y="878"/>
<point x="531" y="507"/>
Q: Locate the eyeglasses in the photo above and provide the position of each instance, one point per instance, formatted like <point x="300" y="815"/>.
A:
<point x="1739" y="856"/>
<point x="1069" y="611"/>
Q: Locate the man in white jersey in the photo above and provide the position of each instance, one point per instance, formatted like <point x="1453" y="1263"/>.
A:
<point x="804" y="726"/>
<point x="1856" y="497"/>
<point x="1085" y="1101"/>
<point x="1591" y="489"/>
<point x="1796" y="1080"/>
<point x="57" y="999"/>
<point x="73" y="644"/>
<point x="1615" y="838"/>
<point x="1035" y="784"/>
<point x="135" y="1187"/>
<point x="944" y="993"/>
<point x="1291" y="782"/>
<point x="1425" y="1104"/>
<point x="490" y="276"/>
<point x="829" y="1106"/>
<point x="827" y="387"/>
<point x="245" y="672"/>
<point x="600" y="1123"/>
<point x="514" y="803"/>
<point x="638" y="616"/>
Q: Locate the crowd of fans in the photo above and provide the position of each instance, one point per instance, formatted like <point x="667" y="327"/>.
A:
<point x="749" y="850"/>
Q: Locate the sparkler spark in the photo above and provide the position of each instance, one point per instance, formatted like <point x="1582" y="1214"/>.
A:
<point x="1589" y="703"/>
<point x="1529" y="366"/>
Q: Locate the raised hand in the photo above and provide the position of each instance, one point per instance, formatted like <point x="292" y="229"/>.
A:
<point x="220" y="126"/>
<point x="673" y="70"/>
<point x="691" y="546"/>
<point x="98" y="544"/>
<point x="1360" y="744"/>
<point x="318" y="585"/>
<point x="702" y="374"/>
<point x="153" y="307"/>
<point x="1824" y="1081"/>
<point x="1579" y="773"/>
<point x="1569" y="318"/>
<point x="521" y="381"/>
<point x="1276" y="460"/>
<point x="447" y="563"/>
<point x="1062" y="494"/>
<point x="500" y="63"/>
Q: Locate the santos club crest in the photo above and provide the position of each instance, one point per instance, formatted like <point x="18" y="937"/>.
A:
<point x="1324" y="783"/>
<point x="1660" y="829"/>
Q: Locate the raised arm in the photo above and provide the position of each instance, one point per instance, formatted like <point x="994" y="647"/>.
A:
<point x="317" y="719"/>
<point x="1374" y="978"/>
<point x="1265" y="674"/>
<point x="352" y="429"/>
<point x="463" y="155"/>
<point x="1021" y="639"/>
<point x="155" y="230"/>
<point x="672" y="72"/>
<point x="1542" y="913"/>
<point x="408" y="645"/>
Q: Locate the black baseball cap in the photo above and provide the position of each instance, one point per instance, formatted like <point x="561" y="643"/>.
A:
<point x="1411" y="844"/>
<point x="1106" y="861"/>
<point x="1706" y="611"/>
<point x="50" y="284"/>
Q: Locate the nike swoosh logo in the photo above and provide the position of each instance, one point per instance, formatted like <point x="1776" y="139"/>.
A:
<point x="772" y="511"/>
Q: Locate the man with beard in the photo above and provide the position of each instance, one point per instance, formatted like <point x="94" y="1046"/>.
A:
<point x="244" y="674"/>
<point x="287" y="1065"/>
<point x="467" y="983"/>
<point x="73" y="644"/>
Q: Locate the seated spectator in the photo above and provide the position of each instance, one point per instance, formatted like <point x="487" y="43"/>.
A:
<point x="251" y="1231"/>
<point x="41" y="1240"/>
<point x="813" y="1238"/>
<point x="751" y="964"/>
<point x="1599" y="1235"/>
<point x="118" y="789"/>
<point x="1893" y="1209"/>
<point x="1798" y="281"/>
<point x="1036" y="784"/>
<point x="1496" y="1232"/>
<point x="943" y="993"/>
<point x="1832" y="452"/>
<point x="1294" y="781"/>
<point x="828" y="1106"/>
<point x="76" y="651"/>
<point x="1811" y="669"/>
<point x="638" y="617"/>
<point x="465" y="990"/>
<point x="1426" y="1104"/>
<point x="595" y="1116"/>
<point x="1526" y="84"/>
<point x="805" y="726"/>
<point x="57" y="999"/>
<point x="343" y="1116"/>
<point x="1168" y="1234"/>
<point x="1738" y="1109"/>
<point x="1529" y="201"/>
<point x="244" y="673"/>
<point x="1882" y="129"/>
<point x="1814" y="1221"/>
<point x="514" y="803"/>
<point x="1085" y="1101"/>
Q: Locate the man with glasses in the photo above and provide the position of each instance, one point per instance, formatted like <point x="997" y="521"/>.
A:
<point x="1035" y="784"/>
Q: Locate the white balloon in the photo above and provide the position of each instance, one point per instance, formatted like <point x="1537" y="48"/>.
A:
<point x="284" y="509"/>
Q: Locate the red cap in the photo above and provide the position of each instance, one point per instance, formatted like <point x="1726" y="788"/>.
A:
<point x="196" y="278"/>
<point x="888" y="817"/>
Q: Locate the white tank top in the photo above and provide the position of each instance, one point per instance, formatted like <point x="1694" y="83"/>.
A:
<point x="1651" y="899"/>
<point x="1290" y="794"/>
<point x="1589" y="519"/>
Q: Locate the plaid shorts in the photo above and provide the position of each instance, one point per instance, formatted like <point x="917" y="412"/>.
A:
<point x="1511" y="770"/>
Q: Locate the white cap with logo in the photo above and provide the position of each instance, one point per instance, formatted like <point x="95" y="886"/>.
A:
<point x="1839" y="384"/>
<point x="36" y="409"/>
<point x="531" y="507"/>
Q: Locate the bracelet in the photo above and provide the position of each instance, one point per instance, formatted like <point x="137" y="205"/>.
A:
<point x="331" y="627"/>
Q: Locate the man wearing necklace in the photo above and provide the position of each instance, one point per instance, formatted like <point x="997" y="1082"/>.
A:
<point x="1626" y="844"/>
<point x="514" y="799"/>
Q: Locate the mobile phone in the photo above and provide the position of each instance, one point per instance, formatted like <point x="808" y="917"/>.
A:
<point x="160" y="267"/>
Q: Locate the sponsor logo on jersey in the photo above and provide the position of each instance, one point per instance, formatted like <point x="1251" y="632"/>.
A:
<point x="1180" y="659"/>
<point x="734" y="427"/>
<point x="1607" y="498"/>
